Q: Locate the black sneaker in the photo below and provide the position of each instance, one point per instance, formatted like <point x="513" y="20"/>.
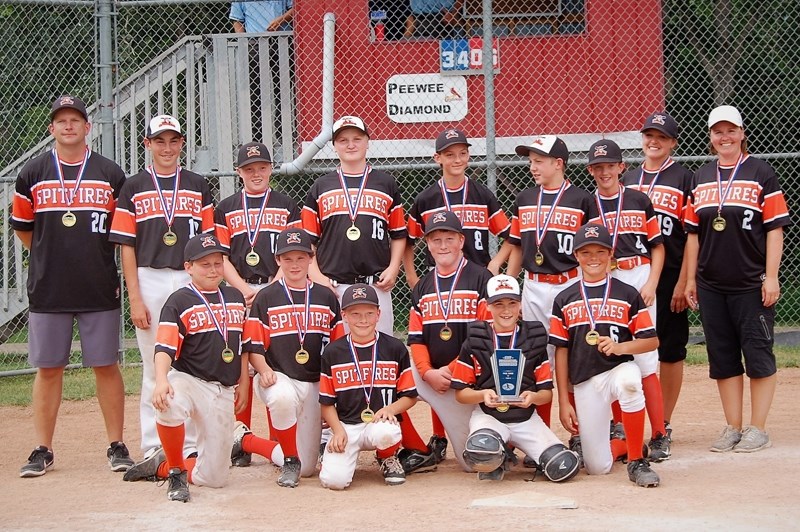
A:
<point x="39" y="462"/>
<point x="529" y="463"/>
<point x="640" y="473"/>
<point x="668" y="428"/>
<point x="147" y="469"/>
<point x="178" y="489"/>
<point x="290" y="473"/>
<point x="240" y="458"/>
<point x="576" y="447"/>
<point x="416" y="462"/>
<point x="659" y="448"/>
<point x="392" y="470"/>
<point x="438" y="446"/>
<point x="119" y="459"/>
<point x="497" y="474"/>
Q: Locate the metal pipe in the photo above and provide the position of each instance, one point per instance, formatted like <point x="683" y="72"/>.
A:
<point x="328" y="39"/>
<point x="488" y="87"/>
<point x="105" y="73"/>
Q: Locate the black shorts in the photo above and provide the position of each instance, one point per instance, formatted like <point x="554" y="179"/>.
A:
<point x="672" y="327"/>
<point x="736" y="325"/>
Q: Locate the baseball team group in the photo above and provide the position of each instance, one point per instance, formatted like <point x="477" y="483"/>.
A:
<point x="258" y="297"/>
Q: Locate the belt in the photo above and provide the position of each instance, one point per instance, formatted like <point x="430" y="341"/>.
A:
<point x="258" y="280"/>
<point x="356" y="279"/>
<point x="553" y="278"/>
<point x="631" y="263"/>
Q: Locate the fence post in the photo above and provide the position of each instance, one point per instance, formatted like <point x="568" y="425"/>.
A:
<point x="105" y="73"/>
<point x="488" y="85"/>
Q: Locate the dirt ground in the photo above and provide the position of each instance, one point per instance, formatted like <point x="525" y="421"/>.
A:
<point x="699" y="490"/>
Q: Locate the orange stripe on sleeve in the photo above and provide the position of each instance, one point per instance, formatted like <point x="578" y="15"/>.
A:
<point x="515" y="228"/>
<point x="406" y="381"/>
<point x="653" y="229"/>
<point x="641" y="322"/>
<point x="414" y="228"/>
<point x="207" y="219"/>
<point x="421" y="358"/>
<point x="310" y="222"/>
<point x="464" y="373"/>
<point x="397" y="218"/>
<point x="124" y="223"/>
<point x="498" y="222"/>
<point x="337" y="332"/>
<point x="22" y="208"/>
<point x="326" y="386"/>
<point x="223" y="235"/>
<point x="774" y="207"/>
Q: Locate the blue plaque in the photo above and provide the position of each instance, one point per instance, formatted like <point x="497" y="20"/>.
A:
<point x="508" y="366"/>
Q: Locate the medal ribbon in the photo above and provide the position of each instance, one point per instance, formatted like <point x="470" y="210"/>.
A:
<point x="221" y="326"/>
<point x="447" y="204"/>
<point x="69" y="197"/>
<point x="169" y="216"/>
<point x="615" y="232"/>
<point x="497" y="340"/>
<point x="367" y="395"/>
<point x="446" y="310"/>
<point x="352" y="209"/>
<point x="722" y="197"/>
<point x="252" y="235"/>
<point x="302" y="328"/>
<point x="606" y="291"/>
<point x="541" y="233"/>
<point x="652" y="185"/>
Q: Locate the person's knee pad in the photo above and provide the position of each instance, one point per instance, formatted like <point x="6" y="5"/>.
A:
<point x="559" y="463"/>
<point x="485" y="450"/>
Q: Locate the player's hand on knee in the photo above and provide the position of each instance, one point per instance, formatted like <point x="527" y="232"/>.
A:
<point x="569" y="420"/>
<point x="384" y="414"/>
<point x="267" y="378"/>
<point x="338" y="442"/>
<point x="140" y="316"/>
<point x="162" y="393"/>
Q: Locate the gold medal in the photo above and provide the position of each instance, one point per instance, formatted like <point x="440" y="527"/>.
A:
<point x="613" y="264"/>
<point x="502" y="407"/>
<point x="592" y="337"/>
<point x="69" y="219"/>
<point x="252" y="258"/>
<point x="170" y="238"/>
<point x="446" y="333"/>
<point x="367" y="415"/>
<point x="302" y="356"/>
<point x="228" y="355"/>
<point x="719" y="223"/>
<point x="538" y="258"/>
<point x="353" y="233"/>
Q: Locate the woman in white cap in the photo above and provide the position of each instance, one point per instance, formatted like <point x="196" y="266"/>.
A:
<point x="735" y="219"/>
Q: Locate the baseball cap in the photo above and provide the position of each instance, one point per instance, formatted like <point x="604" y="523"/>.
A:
<point x="293" y="240"/>
<point x="449" y="137"/>
<point x="725" y="113"/>
<point x="161" y="123"/>
<point x="502" y="287"/>
<point x="592" y="234"/>
<point x="349" y="121"/>
<point x="359" y="294"/>
<point x="253" y="152"/>
<point x="443" y="221"/>
<point x="663" y="123"/>
<point x="69" y="102"/>
<point x="201" y="245"/>
<point x="604" y="151"/>
<point x="547" y="145"/>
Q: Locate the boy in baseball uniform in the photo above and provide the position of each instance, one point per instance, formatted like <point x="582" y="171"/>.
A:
<point x="365" y="382"/>
<point x="598" y="324"/>
<point x="290" y="323"/>
<point x="494" y="425"/>
<point x="443" y="303"/>
<point x="200" y="374"/>
<point x="158" y="211"/>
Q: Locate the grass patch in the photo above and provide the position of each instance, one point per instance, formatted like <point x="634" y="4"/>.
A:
<point x="78" y="385"/>
<point x="786" y="357"/>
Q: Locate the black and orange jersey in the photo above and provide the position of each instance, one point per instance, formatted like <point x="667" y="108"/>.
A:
<point x="638" y="230"/>
<point x="474" y="366"/>
<point x="139" y="217"/>
<point x="480" y="213"/>
<point x="380" y="219"/>
<point x="668" y="191"/>
<point x="426" y="317"/>
<point x="272" y="328"/>
<point x="280" y="212"/>
<point x="570" y="214"/>
<point x="734" y="260"/>
<point x="341" y="386"/>
<point x="72" y="269"/>
<point x="624" y="318"/>
<point x="188" y="334"/>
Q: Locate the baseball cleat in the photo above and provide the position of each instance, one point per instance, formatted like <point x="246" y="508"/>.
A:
<point x="240" y="458"/>
<point x="640" y="473"/>
<point x="147" y="469"/>
<point x="727" y="440"/>
<point x="39" y="462"/>
<point x="178" y="489"/>
<point x="416" y="462"/>
<point x="575" y="446"/>
<point x="119" y="459"/>
<point x="529" y="463"/>
<point x="659" y="448"/>
<point x="438" y="446"/>
<point x="497" y="474"/>
<point x="290" y="473"/>
<point x="617" y="431"/>
<point x="668" y="428"/>
<point x="392" y="470"/>
<point x="753" y="439"/>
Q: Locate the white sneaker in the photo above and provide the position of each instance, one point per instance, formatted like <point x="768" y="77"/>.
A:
<point x="753" y="439"/>
<point x="727" y="440"/>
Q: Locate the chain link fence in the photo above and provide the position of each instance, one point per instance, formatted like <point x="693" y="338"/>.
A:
<point x="578" y="68"/>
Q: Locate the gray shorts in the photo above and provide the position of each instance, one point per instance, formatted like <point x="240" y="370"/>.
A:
<point x="50" y="338"/>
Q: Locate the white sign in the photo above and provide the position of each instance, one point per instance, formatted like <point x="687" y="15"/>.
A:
<point x="426" y="98"/>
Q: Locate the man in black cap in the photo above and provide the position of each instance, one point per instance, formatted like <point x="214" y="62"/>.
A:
<point x="475" y="205"/>
<point x="64" y="199"/>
